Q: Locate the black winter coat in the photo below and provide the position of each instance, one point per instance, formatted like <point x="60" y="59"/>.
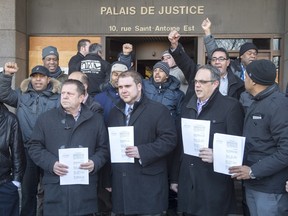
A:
<point x="142" y="187"/>
<point x="54" y="130"/>
<point x="266" y="148"/>
<point x="74" y="62"/>
<point x="97" y="70"/>
<point x="201" y="191"/>
<point x="12" y="156"/>
<point x="188" y="67"/>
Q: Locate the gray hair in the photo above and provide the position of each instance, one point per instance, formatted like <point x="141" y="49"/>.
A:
<point x="215" y="73"/>
<point x="95" y="48"/>
<point x="80" y="87"/>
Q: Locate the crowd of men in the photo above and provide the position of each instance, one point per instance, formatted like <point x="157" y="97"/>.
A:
<point x="56" y="112"/>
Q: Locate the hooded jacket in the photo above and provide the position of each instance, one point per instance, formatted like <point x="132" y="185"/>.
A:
<point x="168" y="93"/>
<point x="97" y="70"/>
<point x="29" y="103"/>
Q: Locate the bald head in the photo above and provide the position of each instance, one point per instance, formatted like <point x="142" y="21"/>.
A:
<point x="78" y="75"/>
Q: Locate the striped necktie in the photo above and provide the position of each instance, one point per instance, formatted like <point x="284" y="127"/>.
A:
<point x="128" y="114"/>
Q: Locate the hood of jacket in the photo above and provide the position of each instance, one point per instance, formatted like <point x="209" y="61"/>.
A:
<point x="54" y="86"/>
<point x="172" y="83"/>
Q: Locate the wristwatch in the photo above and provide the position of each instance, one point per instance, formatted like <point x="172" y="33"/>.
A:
<point x="251" y="175"/>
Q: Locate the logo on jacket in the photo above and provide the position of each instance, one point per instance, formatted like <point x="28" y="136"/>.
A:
<point x="90" y="66"/>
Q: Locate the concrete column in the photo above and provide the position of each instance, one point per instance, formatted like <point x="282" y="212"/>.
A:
<point x="13" y="37"/>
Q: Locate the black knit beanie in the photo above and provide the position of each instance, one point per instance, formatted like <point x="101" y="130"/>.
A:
<point x="262" y="72"/>
<point x="247" y="46"/>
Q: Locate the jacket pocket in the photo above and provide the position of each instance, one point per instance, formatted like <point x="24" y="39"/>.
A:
<point x="50" y="179"/>
<point x="218" y="126"/>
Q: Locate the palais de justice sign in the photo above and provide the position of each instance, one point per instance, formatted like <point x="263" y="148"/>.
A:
<point x="150" y="19"/>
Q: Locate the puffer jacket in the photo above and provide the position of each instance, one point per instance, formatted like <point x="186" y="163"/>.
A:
<point x="12" y="156"/>
<point x="168" y="93"/>
<point x="29" y="103"/>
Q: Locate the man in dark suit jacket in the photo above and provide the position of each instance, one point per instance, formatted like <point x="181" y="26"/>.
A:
<point x="201" y="191"/>
<point x="141" y="187"/>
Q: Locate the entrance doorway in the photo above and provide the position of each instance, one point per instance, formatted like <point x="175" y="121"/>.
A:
<point x="147" y="50"/>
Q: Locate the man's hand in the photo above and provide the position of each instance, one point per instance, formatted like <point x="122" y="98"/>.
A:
<point x="206" y="26"/>
<point x="240" y="172"/>
<point x="206" y="154"/>
<point x="87" y="166"/>
<point x="127" y="48"/>
<point x="132" y="152"/>
<point x="10" y="68"/>
<point x="60" y="169"/>
<point x="174" y="37"/>
<point x="174" y="187"/>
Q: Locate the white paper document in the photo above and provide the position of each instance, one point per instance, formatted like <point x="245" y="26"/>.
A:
<point x="73" y="157"/>
<point x="228" y="150"/>
<point x="195" y="135"/>
<point x="120" y="138"/>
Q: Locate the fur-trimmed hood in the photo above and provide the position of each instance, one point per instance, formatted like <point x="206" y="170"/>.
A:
<point x="55" y="84"/>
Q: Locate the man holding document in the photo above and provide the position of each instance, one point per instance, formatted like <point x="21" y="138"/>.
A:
<point x="139" y="180"/>
<point x="201" y="191"/>
<point x="70" y="144"/>
<point x="265" y="168"/>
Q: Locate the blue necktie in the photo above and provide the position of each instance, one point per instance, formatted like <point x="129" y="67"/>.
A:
<point x="128" y="114"/>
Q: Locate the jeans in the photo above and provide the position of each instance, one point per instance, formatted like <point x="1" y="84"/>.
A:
<point x="9" y="199"/>
<point x="266" y="204"/>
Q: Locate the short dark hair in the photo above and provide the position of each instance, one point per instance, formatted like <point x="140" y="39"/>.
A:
<point x="220" y="49"/>
<point x="130" y="73"/>
<point x="215" y="73"/>
<point x="95" y="48"/>
<point x="79" y="85"/>
<point x="82" y="43"/>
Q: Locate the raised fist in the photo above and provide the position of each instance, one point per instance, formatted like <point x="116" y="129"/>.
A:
<point x="10" y="68"/>
<point x="127" y="48"/>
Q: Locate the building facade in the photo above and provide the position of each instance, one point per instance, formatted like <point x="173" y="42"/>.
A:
<point x="29" y="25"/>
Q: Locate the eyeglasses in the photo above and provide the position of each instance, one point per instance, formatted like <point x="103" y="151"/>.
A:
<point x="202" y="82"/>
<point x="220" y="59"/>
<point x="166" y="57"/>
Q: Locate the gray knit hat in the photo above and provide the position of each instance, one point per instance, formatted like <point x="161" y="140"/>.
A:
<point x="162" y="65"/>
<point x="50" y="50"/>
